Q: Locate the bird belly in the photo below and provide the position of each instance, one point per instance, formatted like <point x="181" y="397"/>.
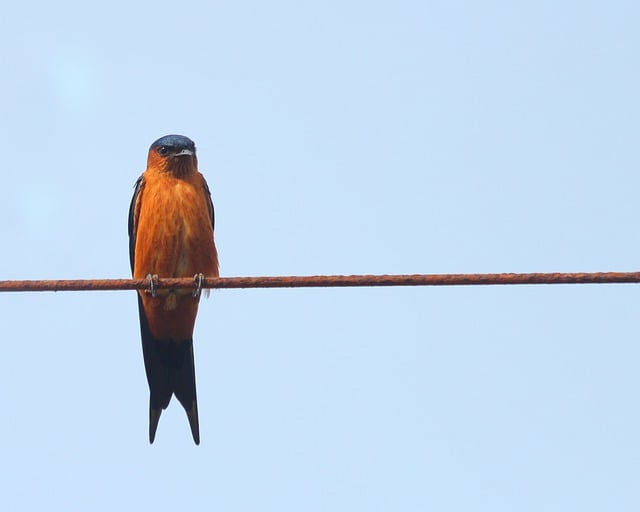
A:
<point x="175" y="239"/>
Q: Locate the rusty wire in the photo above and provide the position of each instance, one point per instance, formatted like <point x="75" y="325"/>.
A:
<point x="325" y="281"/>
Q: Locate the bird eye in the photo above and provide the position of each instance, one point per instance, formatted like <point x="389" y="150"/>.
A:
<point x="163" y="150"/>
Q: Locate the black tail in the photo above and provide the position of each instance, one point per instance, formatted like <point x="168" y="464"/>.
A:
<point x="170" y="370"/>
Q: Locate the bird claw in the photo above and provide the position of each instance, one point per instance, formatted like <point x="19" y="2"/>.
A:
<point x="153" y="284"/>
<point x="198" y="281"/>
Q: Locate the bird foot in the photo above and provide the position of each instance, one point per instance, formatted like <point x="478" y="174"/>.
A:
<point x="153" y="284"/>
<point x="198" y="281"/>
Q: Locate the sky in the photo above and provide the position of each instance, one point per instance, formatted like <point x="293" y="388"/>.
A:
<point x="345" y="137"/>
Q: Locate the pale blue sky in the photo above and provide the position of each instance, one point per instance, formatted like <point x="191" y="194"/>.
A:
<point x="337" y="137"/>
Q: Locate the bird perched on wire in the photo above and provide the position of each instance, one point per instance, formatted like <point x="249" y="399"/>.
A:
<point x="171" y="222"/>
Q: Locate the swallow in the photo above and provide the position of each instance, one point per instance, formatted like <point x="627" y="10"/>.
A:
<point x="171" y="224"/>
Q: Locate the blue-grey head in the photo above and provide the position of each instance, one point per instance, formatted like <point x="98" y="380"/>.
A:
<point x="174" y="146"/>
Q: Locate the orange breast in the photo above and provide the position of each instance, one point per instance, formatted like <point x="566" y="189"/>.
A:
<point x="174" y="238"/>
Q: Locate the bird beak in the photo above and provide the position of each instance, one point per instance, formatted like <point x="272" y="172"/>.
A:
<point x="184" y="152"/>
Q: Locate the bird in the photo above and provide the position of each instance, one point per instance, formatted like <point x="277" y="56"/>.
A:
<point x="171" y="234"/>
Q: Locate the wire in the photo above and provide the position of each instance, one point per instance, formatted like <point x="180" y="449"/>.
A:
<point x="324" y="281"/>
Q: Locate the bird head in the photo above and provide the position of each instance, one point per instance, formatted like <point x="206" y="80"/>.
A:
<point x="173" y="153"/>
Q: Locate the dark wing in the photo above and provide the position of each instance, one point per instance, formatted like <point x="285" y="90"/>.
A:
<point x="134" y="210"/>
<point x="210" y="204"/>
